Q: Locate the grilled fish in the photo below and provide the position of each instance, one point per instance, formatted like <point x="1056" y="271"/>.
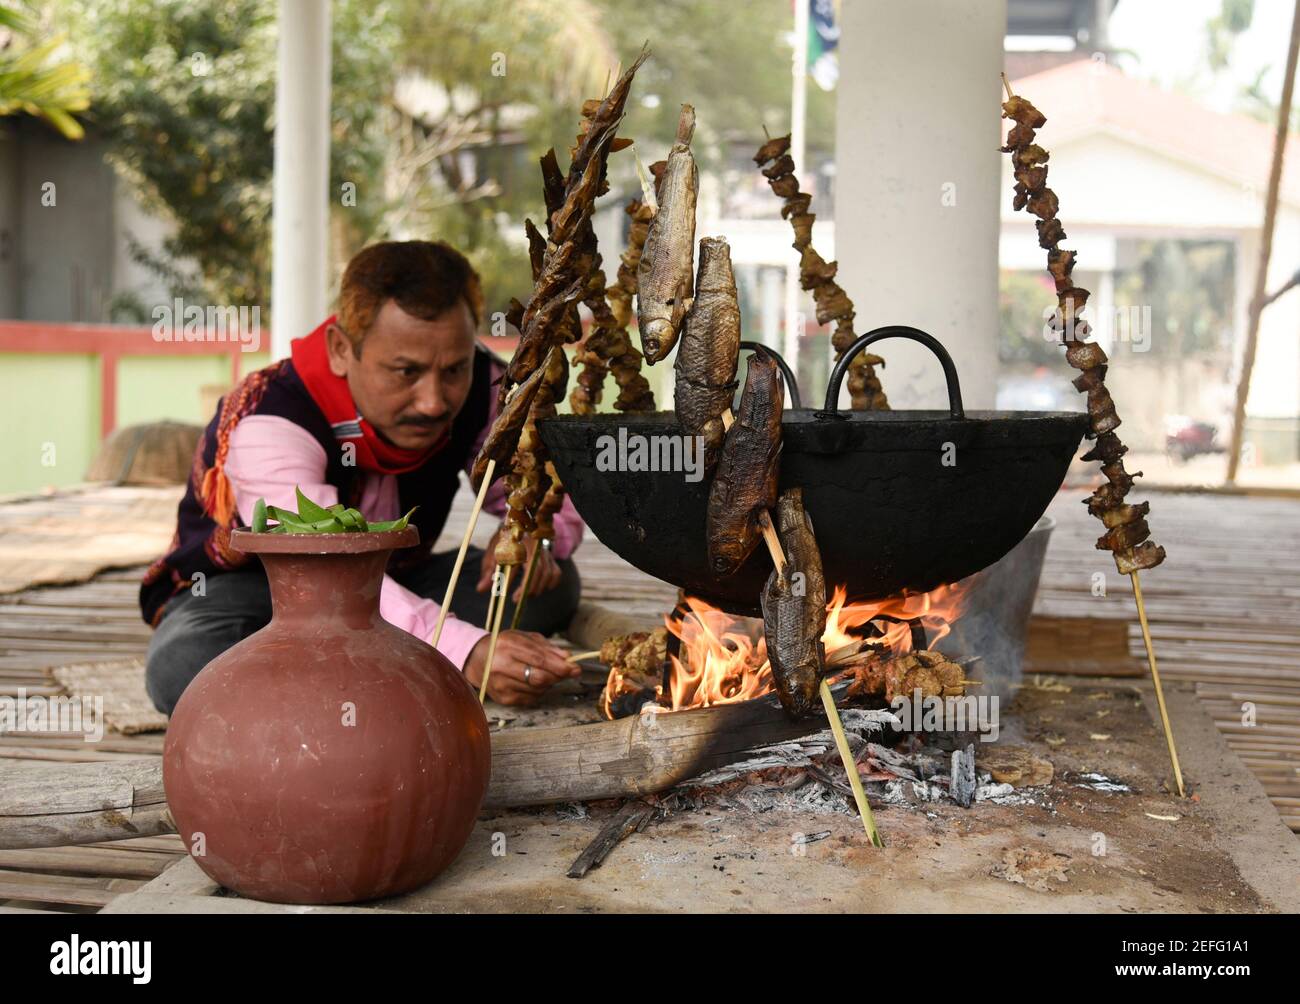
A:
<point x="745" y="484"/>
<point x="664" y="274"/>
<point x="794" y="610"/>
<point x="706" y="361"/>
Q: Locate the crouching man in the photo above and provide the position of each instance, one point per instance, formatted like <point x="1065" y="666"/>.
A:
<point x="380" y="408"/>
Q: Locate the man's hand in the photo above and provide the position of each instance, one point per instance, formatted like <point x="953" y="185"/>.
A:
<point x="546" y="573"/>
<point x="524" y="667"/>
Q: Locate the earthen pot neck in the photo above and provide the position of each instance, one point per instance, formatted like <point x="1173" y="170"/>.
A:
<point x="333" y="575"/>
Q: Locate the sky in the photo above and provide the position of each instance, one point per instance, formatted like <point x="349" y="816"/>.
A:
<point x="1168" y="37"/>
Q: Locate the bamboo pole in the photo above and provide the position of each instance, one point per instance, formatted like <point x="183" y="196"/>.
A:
<point x="496" y="633"/>
<point x="1265" y="250"/>
<point x="464" y="547"/>
<point x="1155" y="678"/>
<point x="828" y="700"/>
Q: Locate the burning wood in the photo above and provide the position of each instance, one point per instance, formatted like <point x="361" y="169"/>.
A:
<point x="717" y="658"/>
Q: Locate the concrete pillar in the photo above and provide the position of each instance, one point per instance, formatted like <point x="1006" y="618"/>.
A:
<point x="300" y="210"/>
<point x="917" y="186"/>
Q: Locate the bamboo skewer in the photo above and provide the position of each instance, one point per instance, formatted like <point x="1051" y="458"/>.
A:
<point x="828" y="700"/>
<point x="523" y="589"/>
<point x="579" y="656"/>
<point x="496" y="632"/>
<point x="1137" y="586"/>
<point x="1155" y="678"/>
<point x="464" y="546"/>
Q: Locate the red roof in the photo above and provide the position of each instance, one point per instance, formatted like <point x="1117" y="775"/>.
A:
<point x="1086" y="96"/>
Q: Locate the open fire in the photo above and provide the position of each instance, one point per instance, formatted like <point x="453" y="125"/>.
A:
<point x="718" y="658"/>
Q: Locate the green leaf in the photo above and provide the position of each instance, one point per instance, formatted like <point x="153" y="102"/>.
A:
<point x="289" y="520"/>
<point x="309" y="510"/>
<point x="259" y="516"/>
<point x="392" y="524"/>
<point x="352" y="520"/>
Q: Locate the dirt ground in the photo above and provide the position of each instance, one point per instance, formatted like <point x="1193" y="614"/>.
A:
<point x="1072" y="846"/>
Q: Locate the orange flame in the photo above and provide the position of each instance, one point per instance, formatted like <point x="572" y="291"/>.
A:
<point x="723" y="658"/>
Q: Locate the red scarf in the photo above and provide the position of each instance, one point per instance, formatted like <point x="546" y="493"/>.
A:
<point x="331" y="394"/>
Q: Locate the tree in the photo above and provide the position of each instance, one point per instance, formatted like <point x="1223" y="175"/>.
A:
<point x="185" y="95"/>
<point x="440" y="111"/>
<point x="34" y="79"/>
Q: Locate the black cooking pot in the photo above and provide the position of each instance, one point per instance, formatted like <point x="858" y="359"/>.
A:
<point x="900" y="500"/>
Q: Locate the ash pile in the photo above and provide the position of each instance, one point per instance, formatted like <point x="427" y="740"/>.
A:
<point x="806" y="775"/>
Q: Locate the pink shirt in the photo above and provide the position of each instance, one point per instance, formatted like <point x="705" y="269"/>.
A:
<point x="270" y="456"/>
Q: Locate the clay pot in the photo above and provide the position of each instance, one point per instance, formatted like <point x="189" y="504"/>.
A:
<point x="330" y="757"/>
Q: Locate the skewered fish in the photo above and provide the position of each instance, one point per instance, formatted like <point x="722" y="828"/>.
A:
<point x="664" y="274"/>
<point x="745" y="484"/>
<point x="706" y="361"/>
<point x="794" y="610"/>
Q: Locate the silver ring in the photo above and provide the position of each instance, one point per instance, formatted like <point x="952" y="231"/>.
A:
<point x="546" y="543"/>
<point x="528" y="674"/>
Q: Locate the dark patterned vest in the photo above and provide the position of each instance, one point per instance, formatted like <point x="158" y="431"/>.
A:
<point x="202" y="544"/>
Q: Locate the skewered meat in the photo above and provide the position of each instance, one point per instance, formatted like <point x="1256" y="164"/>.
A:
<point x="563" y="265"/>
<point x="608" y="346"/>
<point x="566" y="260"/>
<point x="706" y="361"/>
<point x="794" y="610"/>
<point x="635" y="664"/>
<point x="664" y="274"/>
<point x="818" y="275"/>
<point x="1126" y="526"/>
<point x="744" y="486"/>
<point x="503" y="438"/>
<point x="528" y="482"/>
<point x="643" y="652"/>
<point x="902" y="675"/>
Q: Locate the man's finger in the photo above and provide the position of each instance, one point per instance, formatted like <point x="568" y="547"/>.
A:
<point x="548" y="657"/>
<point x="529" y="674"/>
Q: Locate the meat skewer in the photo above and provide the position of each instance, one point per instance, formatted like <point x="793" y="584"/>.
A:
<point x="818" y="276"/>
<point x="664" y="273"/>
<point x="710" y="347"/>
<point x="608" y="348"/>
<point x="562" y="269"/>
<point x="1127" y="532"/>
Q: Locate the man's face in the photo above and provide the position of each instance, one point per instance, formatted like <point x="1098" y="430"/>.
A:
<point x="413" y="376"/>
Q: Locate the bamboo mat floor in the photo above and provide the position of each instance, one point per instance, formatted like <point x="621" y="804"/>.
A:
<point x="1224" y="609"/>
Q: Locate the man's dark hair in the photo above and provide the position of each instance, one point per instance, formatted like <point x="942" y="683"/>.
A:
<point x="425" y="278"/>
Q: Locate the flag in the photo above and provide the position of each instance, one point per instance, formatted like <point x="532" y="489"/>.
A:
<point x="823" y="38"/>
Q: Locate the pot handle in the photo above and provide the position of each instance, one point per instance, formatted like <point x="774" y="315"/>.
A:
<point x="831" y="410"/>
<point x="791" y="384"/>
